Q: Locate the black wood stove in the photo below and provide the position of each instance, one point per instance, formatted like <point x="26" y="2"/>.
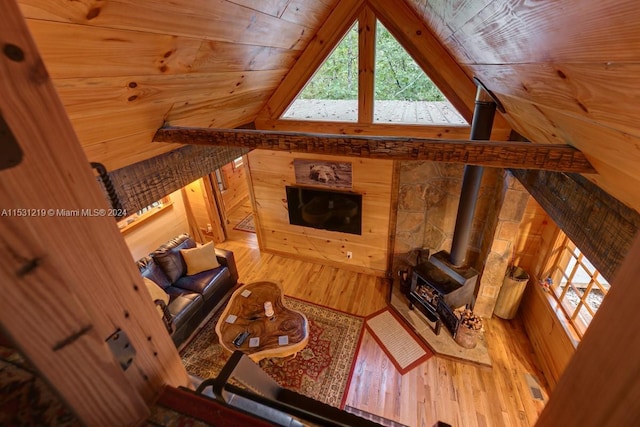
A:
<point x="437" y="288"/>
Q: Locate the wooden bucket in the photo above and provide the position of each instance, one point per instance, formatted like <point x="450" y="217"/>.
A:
<point x="511" y="293"/>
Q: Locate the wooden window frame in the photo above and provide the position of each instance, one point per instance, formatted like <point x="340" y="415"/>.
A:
<point x="560" y="279"/>
<point x="219" y="179"/>
<point x="238" y="162"/>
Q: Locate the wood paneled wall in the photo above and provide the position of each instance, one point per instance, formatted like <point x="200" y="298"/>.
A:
<point x="551" y="342"/>
<point x="201" y="209"/>
<point x="271" y="171"/>
<point x="153" y="232"/>
<point x="529" y="242"/>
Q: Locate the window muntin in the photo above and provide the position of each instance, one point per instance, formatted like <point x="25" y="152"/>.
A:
<point x="576" y="285"/>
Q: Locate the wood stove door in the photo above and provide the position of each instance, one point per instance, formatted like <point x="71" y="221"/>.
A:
<point x="448" y="317"/>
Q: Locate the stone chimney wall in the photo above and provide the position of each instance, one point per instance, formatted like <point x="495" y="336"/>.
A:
<point x="501" y="243"/>
<point x="428" y="198"/>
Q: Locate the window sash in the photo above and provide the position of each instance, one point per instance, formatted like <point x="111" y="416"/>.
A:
<point x="575" y="281"/>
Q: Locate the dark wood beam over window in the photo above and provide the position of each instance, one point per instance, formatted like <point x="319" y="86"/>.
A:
<point x="515" y="155"/>
<point x="600" y="225"/>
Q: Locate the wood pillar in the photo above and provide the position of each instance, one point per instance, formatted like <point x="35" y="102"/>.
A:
<point x="66" y="275"/>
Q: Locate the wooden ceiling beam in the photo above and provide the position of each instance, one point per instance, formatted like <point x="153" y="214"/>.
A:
<point x="515" y="155"/>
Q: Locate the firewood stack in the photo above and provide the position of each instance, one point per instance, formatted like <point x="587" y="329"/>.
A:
<point x="469" y="320"/>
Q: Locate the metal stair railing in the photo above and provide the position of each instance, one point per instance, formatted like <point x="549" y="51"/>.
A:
<point x="264" y="398"/>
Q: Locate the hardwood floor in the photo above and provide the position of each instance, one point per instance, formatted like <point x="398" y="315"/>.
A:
<point x="458" y="393"/>
<point x="344" y="290"/>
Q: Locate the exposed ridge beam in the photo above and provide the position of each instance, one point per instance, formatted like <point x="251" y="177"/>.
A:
<point x="515" y="155"/>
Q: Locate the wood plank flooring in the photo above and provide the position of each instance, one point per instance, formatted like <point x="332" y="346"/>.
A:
<point x="461" y="394"/>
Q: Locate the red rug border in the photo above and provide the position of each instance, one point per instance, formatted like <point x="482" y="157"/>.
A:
<point x="402" y="371"/>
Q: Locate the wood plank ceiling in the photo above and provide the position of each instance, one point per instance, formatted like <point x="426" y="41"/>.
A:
<point x="123" y="67"/>
<point x="566" y="71"/>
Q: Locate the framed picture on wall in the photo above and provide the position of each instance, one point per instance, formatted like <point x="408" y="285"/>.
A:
<point x="323" y="173"/>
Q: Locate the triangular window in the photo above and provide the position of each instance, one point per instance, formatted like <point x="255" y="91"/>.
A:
<point x="332" y="93"/>
<point x="403" y="92"/>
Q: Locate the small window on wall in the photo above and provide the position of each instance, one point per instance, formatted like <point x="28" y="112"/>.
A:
<point x="143" y="214"/>
<point x="220" y="181"/>
<point x="237" y="163"/>
<point x="576" y="284"/>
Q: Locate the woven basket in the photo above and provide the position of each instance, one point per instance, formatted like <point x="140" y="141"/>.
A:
<point x="465" y="337"/>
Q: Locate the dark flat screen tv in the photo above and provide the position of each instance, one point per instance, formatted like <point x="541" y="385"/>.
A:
<point x="325" y="209"/>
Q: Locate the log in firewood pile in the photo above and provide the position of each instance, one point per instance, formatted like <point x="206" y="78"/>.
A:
<point x="469" y="320"/>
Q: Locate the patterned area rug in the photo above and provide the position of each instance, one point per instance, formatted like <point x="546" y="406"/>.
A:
<point x="246" y="224"/>
<point x="401" y="345"/>
<point x="321" y="371"/>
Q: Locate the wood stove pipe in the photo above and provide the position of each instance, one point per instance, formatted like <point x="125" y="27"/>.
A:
<point x="481" y="125"/>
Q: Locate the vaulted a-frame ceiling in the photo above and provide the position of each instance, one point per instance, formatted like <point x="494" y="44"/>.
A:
<point x="565" y="71"/>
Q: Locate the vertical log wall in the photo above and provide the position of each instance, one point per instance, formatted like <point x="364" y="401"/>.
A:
<point x="66" y="277"/>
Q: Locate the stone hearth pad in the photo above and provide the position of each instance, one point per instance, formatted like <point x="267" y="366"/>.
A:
<point x="442" y="345"/>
